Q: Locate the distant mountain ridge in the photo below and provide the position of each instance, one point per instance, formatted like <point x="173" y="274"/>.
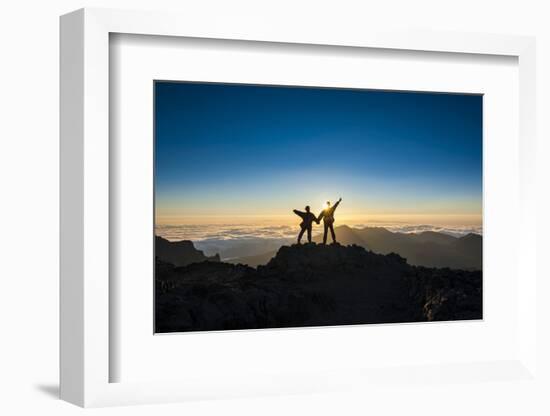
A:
<point x="180" y="253"/>
<point x="428" y="248"/>
<point x="310" y="285"/>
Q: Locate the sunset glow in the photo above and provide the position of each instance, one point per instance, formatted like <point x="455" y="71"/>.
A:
<point x="234" y="154"/>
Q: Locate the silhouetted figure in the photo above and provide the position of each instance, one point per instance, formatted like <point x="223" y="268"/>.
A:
<point x="328" y="220"/>
<point x="306" y="224"/>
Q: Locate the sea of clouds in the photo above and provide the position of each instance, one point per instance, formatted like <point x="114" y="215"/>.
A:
<point x="456" y="231"/>
<point x="232" y="241"/>
<point x="205" y="232"/>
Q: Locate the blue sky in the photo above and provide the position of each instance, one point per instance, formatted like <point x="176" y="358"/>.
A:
<point x="234" y="150"/>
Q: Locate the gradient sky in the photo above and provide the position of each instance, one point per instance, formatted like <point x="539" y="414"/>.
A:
<point x="234" y="151"/>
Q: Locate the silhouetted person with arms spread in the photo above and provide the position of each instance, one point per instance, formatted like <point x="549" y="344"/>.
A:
<point x="306" y="224"/>
<point x="328" y="220"/>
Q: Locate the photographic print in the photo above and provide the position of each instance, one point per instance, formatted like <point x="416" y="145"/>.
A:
<point x="286" y="206"/>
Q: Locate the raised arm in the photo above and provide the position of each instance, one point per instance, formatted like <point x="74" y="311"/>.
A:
<point x="337" y="203"/>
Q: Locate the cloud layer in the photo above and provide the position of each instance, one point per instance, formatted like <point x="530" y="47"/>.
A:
<point x="209" y="232"/>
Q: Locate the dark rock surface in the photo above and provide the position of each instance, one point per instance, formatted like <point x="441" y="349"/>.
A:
<point x="311" y="285"/>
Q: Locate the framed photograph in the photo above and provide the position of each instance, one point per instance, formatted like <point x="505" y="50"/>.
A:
<point x="307" y="203"/>
<point x="246" y="236"/>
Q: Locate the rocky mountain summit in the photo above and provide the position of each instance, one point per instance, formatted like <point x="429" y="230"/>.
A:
<point x="312" y="285"/>
<point x="180" y="253"/>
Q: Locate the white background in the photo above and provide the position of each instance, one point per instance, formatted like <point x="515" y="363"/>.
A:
<point x="29" y="209"/>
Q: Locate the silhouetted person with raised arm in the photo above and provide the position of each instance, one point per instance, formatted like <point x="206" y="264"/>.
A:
<point x="328" y="220"/>
<point x="306" y="224"/>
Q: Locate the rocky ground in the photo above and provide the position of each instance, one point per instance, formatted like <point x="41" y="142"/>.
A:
<point x="311" y="285"/>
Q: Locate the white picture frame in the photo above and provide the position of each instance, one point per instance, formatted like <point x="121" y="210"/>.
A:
<point x="85" y="211"/>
